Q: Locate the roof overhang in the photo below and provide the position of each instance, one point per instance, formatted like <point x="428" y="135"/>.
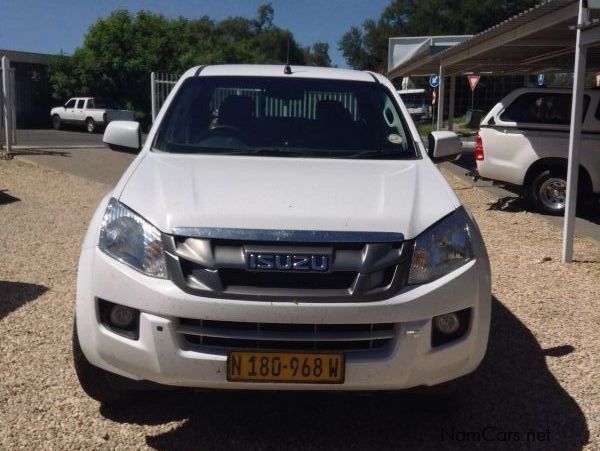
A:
<point x="26" y="57"/>
<point x="537" y="40"/>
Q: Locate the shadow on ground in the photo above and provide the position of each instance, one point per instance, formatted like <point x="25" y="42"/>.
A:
<point x="6" y="198"/>
<point x="52" y="153"/>
<point x="511" y="394"/>
<point x="13" y="295"/>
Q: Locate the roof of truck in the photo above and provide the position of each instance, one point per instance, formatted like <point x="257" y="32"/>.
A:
<point x="263" y="70"/>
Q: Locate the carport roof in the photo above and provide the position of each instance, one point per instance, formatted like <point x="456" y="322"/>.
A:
<point x="536" y="40"/>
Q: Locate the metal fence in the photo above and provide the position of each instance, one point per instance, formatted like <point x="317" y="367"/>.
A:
<point x="160" y="87"/>
<point x="8" y="116"/>
<point x="304" y="107"/>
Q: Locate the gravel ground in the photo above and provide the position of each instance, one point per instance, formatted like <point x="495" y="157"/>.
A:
<point x="537" y="388"/>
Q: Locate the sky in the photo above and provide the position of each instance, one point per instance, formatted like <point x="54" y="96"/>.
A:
<point x="51" y="26"/>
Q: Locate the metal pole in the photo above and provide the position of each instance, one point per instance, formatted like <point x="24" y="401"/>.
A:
<point x="440" y="100"/>
<point x="153" y="95"/>
<point x="6" y="103"/>
<point x="451" y="104"/>
<point x="574" y="140"/>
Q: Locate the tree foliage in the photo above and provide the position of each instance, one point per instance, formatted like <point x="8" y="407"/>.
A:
<point x="366" y="47"/>
<point x="120" y="51"/>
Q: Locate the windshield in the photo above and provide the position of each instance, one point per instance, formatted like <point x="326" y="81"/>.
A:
<point x="287" y="117"/>
<point x="414" y="100"/>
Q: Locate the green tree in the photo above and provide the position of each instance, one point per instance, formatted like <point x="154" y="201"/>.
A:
<point x="120" y="51"/>
<point x="366" y="47"/>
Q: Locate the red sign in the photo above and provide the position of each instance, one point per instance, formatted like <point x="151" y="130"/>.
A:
<point x="473" y="80"/>
<point x="598" y="79"/>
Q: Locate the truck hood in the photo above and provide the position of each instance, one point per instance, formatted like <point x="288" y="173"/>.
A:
<point x="251" y="192"/>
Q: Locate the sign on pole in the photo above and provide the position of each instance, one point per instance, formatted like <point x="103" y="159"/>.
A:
<point x="541" y="79"/>
<point x="434" y="80"/>
<point x="473" y="80"/>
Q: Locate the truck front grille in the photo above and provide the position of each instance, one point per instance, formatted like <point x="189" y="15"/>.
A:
<point x="360" y="266"/>
<point x="220" y="336"/>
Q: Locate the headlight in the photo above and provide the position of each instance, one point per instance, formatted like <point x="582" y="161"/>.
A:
<point x="441" y="248"/>
<point x="132" y="240"/>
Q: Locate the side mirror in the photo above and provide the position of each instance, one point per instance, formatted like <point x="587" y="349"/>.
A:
<point x="444" y="146"/>
<point x="123" y="135"/>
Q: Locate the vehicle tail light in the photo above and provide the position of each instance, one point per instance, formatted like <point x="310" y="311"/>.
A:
<point x="478" y="148"/>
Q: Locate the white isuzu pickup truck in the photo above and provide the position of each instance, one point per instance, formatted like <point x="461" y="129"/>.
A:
<point x="92" y="112"/>
<point x="281" y="229"/>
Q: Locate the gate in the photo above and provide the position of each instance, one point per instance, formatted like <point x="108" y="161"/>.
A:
<point x="8" y="116"/>
<point x="160" y="87"/>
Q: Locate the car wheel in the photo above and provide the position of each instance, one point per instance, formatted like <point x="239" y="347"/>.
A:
<point x="548" y="191"/>
<point x="90" y="125"/>
<point x="93" y="380"/>
<point x="56" y="122"/>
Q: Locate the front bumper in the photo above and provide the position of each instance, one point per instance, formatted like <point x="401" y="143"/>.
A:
<point x="159" y="356"/>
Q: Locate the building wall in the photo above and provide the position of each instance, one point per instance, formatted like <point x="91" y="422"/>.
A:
<point x="32" y="88"/>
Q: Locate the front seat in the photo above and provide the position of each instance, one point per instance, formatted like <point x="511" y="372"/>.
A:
<point x="236" y="111"/>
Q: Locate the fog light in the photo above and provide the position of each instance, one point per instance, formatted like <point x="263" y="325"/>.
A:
<point x="119" y="319"/>
<point x="122" y="317"/>
<point x="448" y="323"/>
<point x="450" y="327"/>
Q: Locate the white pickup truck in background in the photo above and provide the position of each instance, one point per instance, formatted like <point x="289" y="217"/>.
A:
<point x="93" y="112"/>
<point x="524" y="141"/>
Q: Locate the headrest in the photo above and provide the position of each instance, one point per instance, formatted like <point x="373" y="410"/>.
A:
<point x="236" y="110"/>
<point x="332" y="112"/>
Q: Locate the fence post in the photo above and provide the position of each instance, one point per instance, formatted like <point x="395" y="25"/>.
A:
<point x="6" y="110"/>
<point x="153" y="94"/>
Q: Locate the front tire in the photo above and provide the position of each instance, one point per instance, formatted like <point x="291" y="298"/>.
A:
<point x="90" y="125"/>
<point x="56" y="122"/>
<point x="93" y="380"/>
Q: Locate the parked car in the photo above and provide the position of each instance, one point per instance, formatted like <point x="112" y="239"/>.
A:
<point x="415" y="101"/>
<point x="524" y="141"/>
<point x="92" y="112"/>
<point x="280" y="230"/>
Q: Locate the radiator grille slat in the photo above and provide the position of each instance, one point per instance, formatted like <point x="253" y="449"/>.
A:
<point x="334" y="337"/>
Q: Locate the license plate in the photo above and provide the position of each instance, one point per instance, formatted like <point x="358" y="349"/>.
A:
<point x="294" y="367"/>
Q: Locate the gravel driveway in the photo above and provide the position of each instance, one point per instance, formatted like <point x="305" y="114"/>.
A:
<point x="537" y="388"/>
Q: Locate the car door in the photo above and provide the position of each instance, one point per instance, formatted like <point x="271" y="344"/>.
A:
<point x="68" y="114"/>
<point x="79" y="112"/>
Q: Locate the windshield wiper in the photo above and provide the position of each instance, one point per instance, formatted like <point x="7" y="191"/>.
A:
<point x="379" y="153"/>
<point x="267" y="151"/>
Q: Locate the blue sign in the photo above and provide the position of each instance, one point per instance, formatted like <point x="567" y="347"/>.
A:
<point x="434" y="80"/>
<point x="541" y="80"/>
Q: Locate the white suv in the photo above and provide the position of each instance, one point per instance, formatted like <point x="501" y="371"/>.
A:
<point x="282" y="228"/>
<point x="524" y="141"/>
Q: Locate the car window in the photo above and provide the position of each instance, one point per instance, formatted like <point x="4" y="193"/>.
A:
<point x="542" y="108"/>
<point x="416" y="100"/>
<point x="295" y="117"/>
<point x="70" y="104"/>
<point x="80" y="103"/>
<point x="90" y="104"/>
